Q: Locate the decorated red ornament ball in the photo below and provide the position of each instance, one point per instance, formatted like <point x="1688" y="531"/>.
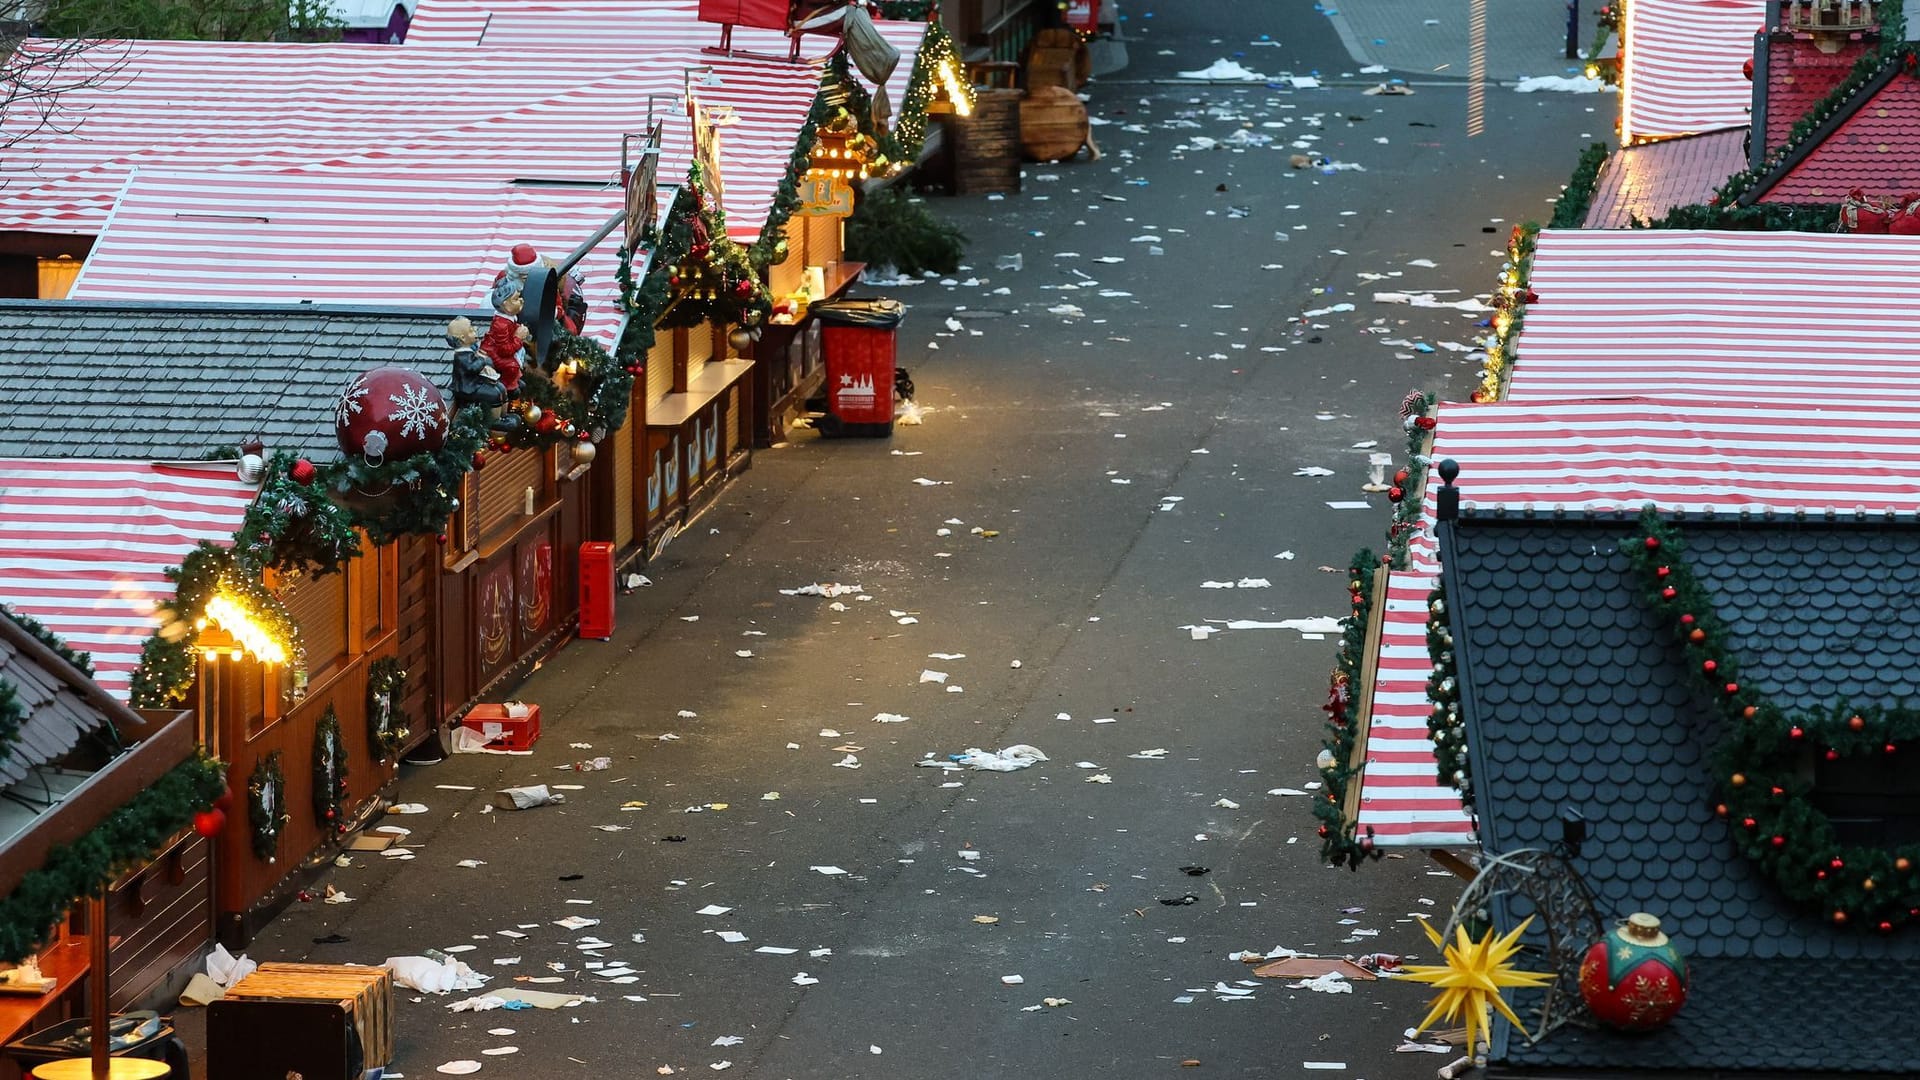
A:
<point x="390" y="413"/>
<point x="302" y="471"/>
<point x="209" y="823"/>
<point x="1634" y="979"/>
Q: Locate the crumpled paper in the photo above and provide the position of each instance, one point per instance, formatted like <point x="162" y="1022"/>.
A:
<point x="433" y="977"/>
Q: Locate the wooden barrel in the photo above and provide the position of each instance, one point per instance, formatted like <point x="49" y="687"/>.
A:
<point x="987" y="150"/>
<point x="1053" y="124"/>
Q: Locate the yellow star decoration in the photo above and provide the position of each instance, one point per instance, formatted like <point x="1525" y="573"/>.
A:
<point x="1471" y="979"/>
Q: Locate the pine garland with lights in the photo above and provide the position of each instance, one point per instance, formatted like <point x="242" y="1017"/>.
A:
<point x="329" y="774"/>
<point x="1444" y="726"/>
<point x="1570" y="209"/>
<point x="1510" y="302"/>
<point x="1417" y="418"/>
<point x="592" y="404"/>
<point x="1607" y="69"/>
<point x="388" y="725"/>
<point x="1340" y="841"/>
<point x="430" y="483"/>
<point x="267" y="806"/>
<point x="1765" y="793"/>
<point x="167" y="667"/>
<point x="936" y="62"/>
<point x="86" y="866"/>
<point x="770" y="249"/>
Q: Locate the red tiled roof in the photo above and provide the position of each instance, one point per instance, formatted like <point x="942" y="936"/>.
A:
<point x="1648" y="180"/>
<point x="1877" y="148"/>
<point x="1800" y="76"/>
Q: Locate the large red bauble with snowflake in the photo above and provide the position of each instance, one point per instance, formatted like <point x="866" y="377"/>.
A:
<point x="1634" y="979"/>
<point x="390" y="413"/>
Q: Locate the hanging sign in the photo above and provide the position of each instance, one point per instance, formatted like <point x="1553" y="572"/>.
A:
<point x="825" y="196"/>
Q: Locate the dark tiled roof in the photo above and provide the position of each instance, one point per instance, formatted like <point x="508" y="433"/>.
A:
<point x="173" y="381"/>
<point x="1575" y="696"/>
<point x="1800" y="76"/>
<point x="1875" y="147"/>
<point x="1648" y="180"/>
<point x="55" y="714"/>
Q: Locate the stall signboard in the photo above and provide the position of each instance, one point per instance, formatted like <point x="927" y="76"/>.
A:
<point x="825" y="196"/>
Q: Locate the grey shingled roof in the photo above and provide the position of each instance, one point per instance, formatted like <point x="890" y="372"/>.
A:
<point x="158" y="381"/>
<point x="55" y="716"/>
<point x="1575" y="695"/>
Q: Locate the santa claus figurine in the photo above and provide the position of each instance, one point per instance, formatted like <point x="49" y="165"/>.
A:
<point x="506" y="337"/>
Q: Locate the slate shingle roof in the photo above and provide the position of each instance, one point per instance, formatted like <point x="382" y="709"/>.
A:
<point x="156" y="381"/>
<point x="1574" y="695"/>
<point x="1647" y="180"/>
<point x="55" y="716"/>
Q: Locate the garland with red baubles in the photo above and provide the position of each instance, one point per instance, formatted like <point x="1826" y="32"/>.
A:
<point x="1765" y="798"/>
<point x="1341" y="842"/>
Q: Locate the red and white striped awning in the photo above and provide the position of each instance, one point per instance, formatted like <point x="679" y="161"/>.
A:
<point x="334" y="236"/>
<point x="498" y="112"/>
<point x="1820" y="318"/>
<point x="1682" y="66"/>
<point x="1604" y="455"/>
<point x="614" y="25"/>
<point x="572" y="136"/>
<point x="85" y="546"/>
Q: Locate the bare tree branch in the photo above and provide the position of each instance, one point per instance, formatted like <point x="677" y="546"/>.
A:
<point x="36" y="74"/>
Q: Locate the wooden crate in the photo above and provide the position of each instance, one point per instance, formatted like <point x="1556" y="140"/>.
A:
<point x="319" y="1020"/>
<point x="987" y="154"/>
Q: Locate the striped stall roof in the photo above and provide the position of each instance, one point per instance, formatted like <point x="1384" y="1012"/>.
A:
<point x="573" y="135"/>
<point x="1725" y="316"/>
<point x="618" y="25"/>
<point x="335" y="236"/>
<point x="85" y="546"/>
<point x="1608" y="455"/>
<point x="1683" y="61"/>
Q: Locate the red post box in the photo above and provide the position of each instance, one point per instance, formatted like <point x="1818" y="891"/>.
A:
<point x="596" y="590"/>
<point x="858" y="337"/>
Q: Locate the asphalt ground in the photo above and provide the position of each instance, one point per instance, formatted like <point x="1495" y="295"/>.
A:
<point x="1130" y="430"/>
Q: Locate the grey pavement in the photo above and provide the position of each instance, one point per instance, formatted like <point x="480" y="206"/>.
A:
<point x="1130" y="429"/>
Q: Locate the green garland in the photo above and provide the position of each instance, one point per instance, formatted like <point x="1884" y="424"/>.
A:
<point x="430" y="483"/>
<point x="89" y="864"/>
<point x="1762" y="760"/>
<point x="1570" y="209"/>
<point x="387" y="723"/>
<point x="1417" y="417"/>
<point x="1340" y="843"/>
<point x="1607" y="69"/>
<point x="11" y="715"/>
<point x="771" y="247"/>
<point x="906" y="10"/>
<point x="1510" y="302"/>
<point x="267" y="806"/>
<point x="1444" y="727"/>
<point x="80" y="660"/>
<point x="288" y="528"/>
<point x="329" y="774"/>
<point x="167" y="666"/>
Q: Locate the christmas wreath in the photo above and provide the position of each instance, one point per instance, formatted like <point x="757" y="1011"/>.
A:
<point x="387" y="723"/>
<point x="267" y="806"/>
<point x="329" y="773"/>
<point x="1765" y="791"/>
<point x="584" y="399"/>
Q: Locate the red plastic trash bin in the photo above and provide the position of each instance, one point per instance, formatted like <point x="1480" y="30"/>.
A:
<point x="596" y="590"/>
<point x="858" y="337"/>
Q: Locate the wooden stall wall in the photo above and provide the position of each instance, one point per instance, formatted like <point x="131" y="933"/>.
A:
<point x="419" y="577"/>
<point x="161" y="916"/>
<point x="347" y="621"/>
<point x="509" y="589"/>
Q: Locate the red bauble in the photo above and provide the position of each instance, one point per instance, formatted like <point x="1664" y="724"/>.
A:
<point x="1796" y="732"/>
<point x="1709" y="666"/>
<point x="1634" y="979"/>
<point x="225" y="802"/>
<point x="441" y="539"/>
<point x="1669" y="592"/>
<point x="1400" y="478"/>
<point x="208" y="823"/>
<point x="1395" y="494"/>
<point x="743" y="289"/>
<point x="1424" y="423"/>
<point x="302" y="471"/>
<point x="1653" y="543"/>
<point x="1747" y="69"/>
<point x="390" y="413"/>
<point x="479" y="461"/>
<point x="1733" y="688"/>
<point x="1855" y="723"/>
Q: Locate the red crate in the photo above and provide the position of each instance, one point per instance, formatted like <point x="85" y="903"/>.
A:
<point x="501" y="731"/>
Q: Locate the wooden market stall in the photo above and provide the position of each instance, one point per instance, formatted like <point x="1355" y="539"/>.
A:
<point x="95" y="795"/>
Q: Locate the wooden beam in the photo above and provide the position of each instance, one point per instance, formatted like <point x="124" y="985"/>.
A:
<point x="1360" y="705"/>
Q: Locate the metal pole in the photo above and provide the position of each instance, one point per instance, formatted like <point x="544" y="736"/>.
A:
<point x="97" y="987"/>
<point x="1573" y="29"/>
<point x="593" y="241"/>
